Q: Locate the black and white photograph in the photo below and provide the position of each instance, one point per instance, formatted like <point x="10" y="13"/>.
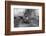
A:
<point x="24" y="17"/>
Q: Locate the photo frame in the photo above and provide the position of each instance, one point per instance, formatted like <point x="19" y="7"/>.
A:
<point x="24" y="17"/>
